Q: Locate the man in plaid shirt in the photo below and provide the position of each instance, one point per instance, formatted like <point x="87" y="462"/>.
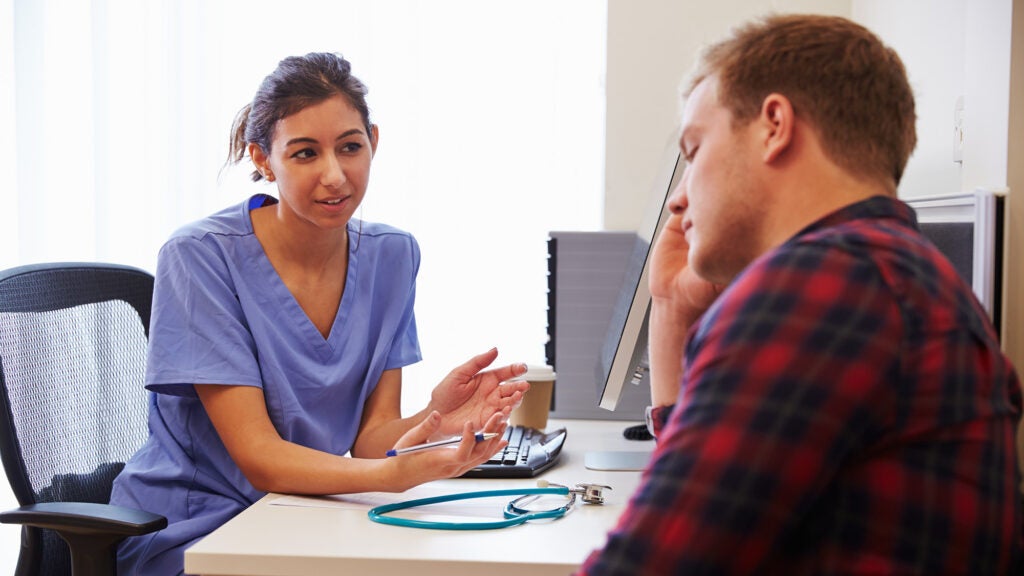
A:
<point x="829" y="396"/>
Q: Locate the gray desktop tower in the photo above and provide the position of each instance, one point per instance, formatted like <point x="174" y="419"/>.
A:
<point x="586" y="271"/>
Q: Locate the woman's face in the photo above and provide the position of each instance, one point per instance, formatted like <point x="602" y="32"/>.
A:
<point x="320" y="160"/>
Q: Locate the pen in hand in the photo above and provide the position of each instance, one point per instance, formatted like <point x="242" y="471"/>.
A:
<point x="480" y="437"/>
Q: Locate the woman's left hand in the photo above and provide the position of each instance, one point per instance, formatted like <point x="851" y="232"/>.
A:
<point x="469" y="395"/>
<point x="413" y="469"/>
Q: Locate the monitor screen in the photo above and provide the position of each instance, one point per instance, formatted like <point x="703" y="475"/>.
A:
<point x="968" y="229"/>
<point x="622" y="361"/>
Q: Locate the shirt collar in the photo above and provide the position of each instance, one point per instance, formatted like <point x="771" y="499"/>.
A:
<point x="875" y="207"/>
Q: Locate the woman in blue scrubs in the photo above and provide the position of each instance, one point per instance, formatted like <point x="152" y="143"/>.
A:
<point x="279" y="330"/>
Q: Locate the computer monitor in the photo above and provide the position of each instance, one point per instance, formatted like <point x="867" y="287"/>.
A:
<point x="623" y="361"/>
<point x="623" y="358"/>
<point x="968" y="229"/>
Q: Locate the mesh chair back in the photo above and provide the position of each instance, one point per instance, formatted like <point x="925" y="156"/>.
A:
<point x="73" y="405"/>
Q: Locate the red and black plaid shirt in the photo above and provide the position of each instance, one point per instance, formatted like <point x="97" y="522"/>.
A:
<point x="845" y="409"/>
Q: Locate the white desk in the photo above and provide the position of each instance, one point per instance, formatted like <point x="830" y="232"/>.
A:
<point x="272" y="540"/>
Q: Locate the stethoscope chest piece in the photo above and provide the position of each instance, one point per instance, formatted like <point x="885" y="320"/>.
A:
<point x="591" y="493"/>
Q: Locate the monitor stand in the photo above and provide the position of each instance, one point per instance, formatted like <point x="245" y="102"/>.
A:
<point x="616" y="460"/>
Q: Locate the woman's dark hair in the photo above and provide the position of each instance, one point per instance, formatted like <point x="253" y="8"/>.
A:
<point x="297" y="83"/>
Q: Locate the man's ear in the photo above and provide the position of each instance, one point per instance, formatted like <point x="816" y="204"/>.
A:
<point x="778" y="121"/>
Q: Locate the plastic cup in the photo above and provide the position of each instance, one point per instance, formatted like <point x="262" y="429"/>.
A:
<point x="533" y="411"/>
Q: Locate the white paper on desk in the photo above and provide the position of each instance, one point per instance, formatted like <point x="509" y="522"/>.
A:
<point x="476" y="508"/>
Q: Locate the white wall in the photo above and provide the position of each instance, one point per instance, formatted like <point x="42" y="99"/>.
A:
<point x="651" y="46"/>
<point x="953" y="48"/>
<point x="931" y="44"/>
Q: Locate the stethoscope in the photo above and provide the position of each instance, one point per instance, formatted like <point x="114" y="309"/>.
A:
<point x="515" y="512"/>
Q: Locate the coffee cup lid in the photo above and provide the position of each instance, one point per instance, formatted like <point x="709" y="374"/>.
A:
<point x="538" y="372"/>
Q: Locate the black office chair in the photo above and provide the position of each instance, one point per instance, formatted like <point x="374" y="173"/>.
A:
<point x="73" y="409"/>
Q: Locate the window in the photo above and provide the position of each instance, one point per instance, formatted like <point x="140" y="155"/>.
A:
<point x="492" y="134"/>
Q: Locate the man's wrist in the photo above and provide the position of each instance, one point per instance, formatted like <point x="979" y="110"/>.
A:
<point x="655" y="417"/>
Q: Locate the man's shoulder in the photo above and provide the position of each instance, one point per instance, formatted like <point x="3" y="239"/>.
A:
<point x="815" y="274"/>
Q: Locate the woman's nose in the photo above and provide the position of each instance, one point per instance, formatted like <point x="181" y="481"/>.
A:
<point x="333" y="175"/>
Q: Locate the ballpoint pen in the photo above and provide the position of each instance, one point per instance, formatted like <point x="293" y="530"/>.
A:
<point x="480" y="437"/>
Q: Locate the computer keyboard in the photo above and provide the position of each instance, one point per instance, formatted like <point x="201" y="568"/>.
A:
<point x="529" y="452"/>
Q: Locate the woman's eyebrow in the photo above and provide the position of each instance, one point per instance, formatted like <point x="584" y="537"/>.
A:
<point x="308" y="140"/>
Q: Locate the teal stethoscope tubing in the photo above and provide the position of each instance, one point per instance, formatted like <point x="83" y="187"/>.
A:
<point x="513" y="514"/>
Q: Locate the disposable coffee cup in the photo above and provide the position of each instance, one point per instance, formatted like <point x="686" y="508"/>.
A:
<point x="533" y="411"/>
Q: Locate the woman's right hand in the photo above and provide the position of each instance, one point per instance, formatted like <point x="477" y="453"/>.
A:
<point x="414" y="468"/>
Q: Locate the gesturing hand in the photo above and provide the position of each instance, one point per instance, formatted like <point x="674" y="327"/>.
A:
<point x="414" y="468"/>
<point x="467" y="394"/>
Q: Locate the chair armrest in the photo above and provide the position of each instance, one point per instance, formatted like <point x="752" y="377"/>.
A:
<point x="86" y="518"/>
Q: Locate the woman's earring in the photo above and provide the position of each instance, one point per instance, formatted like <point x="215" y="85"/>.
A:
<point x="269" y="176"/>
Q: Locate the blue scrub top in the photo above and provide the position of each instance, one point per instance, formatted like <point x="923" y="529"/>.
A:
<point x="222" y="315"/>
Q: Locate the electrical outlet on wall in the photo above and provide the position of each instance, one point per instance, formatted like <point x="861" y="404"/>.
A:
<point x="958" y="130"/>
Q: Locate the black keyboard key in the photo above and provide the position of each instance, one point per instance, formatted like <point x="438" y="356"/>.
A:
<point x="515" y="435"/>
<point x="530" y="452"/>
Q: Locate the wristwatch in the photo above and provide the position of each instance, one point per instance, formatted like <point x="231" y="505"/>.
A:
<point x="655" y="416"/>
<point x="649" y="419"/>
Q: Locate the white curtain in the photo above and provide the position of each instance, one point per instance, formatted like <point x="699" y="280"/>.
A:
<point x="114" y="121"/>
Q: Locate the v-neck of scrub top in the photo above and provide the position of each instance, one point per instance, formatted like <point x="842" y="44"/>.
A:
<point x="280" y="295"/>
